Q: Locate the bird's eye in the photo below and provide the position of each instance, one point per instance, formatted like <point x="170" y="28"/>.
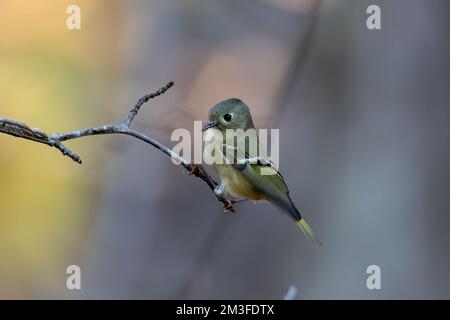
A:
<point x="227" y="117"/>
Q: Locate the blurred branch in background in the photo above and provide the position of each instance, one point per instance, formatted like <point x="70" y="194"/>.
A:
<point x="22" y="130"/>
<point x="301" y="52"/>
<point x="280" y="102"/>
<point x="291" y="294"/>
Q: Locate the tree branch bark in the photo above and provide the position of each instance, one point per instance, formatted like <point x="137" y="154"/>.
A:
<point x="21" y="130"/>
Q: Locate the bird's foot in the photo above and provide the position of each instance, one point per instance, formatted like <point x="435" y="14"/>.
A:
<point x="195" y="169"/>
<point x="228" y="208"/>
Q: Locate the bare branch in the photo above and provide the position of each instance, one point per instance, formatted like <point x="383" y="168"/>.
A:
<point x="22" y="130"/>
<point x="133" y="112"/>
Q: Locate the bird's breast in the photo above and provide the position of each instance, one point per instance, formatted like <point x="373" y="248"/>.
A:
<point x="237" y="184"/>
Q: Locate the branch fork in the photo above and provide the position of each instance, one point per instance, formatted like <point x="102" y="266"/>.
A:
<point x="21" y="130"/>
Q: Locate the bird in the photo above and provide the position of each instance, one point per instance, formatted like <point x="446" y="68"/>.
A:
<point x="242" y="173"/>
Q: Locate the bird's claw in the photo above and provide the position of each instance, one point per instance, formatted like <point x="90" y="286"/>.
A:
<point x="228" y="207"/>
<point x="195" y="169"/>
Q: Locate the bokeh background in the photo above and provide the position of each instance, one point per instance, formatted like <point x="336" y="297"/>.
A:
<point x="364" y="127"/>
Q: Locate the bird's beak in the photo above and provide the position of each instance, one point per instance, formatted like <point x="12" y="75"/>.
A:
<point x="208" y="125"/>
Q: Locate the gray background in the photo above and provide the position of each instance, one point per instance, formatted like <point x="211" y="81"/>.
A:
<point x="364" y="148"/>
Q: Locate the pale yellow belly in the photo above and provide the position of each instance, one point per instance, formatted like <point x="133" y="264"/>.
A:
<point x="237" y="184"/>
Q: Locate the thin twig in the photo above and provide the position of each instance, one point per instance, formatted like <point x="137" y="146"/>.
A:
<point x="21" y="130"/>
<point x="133" y="112"/>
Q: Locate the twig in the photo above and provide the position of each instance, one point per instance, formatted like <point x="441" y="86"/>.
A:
<point x="22" y="130"/>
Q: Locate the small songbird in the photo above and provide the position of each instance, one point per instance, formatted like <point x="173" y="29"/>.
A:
<point x="242" y="178"/>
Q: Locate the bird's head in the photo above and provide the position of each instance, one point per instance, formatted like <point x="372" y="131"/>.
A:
<point x="229" y="114"/>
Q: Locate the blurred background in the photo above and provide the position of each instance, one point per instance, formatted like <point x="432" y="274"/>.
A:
<point x="365" y="149"/>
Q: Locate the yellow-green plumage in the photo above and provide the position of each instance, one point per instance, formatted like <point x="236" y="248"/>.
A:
<point x="247" y="181"/>
<point x="302" y="224"/>
<point x="237" y="184"/>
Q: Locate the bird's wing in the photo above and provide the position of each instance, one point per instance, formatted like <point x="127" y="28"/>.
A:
<point x="271" y="183"/>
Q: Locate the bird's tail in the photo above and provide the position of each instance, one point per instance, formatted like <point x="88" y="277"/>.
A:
<point x="288" y="205"/>
<point x="304" y="226"/>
